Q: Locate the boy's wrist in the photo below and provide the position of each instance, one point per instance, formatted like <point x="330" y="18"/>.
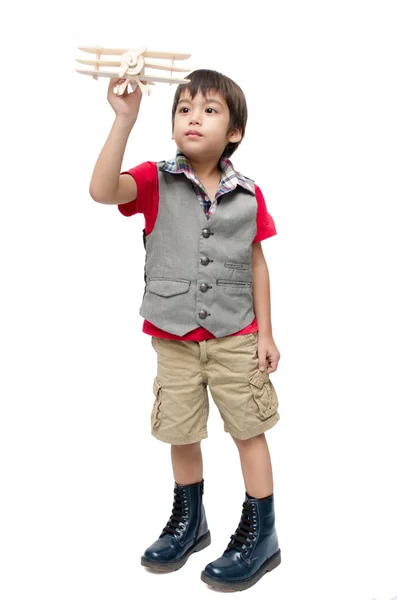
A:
<point x="125" y="121"/>
<point x="265" y="333"/>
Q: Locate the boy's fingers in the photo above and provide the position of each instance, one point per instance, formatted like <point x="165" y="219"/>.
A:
<point x="114" y="81"/>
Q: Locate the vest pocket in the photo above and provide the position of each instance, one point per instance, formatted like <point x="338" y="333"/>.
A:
<point x="233" y="283"/>
<point x="236" y="265"/>
<point x="264" y="394"/>
<point x="167" y="287"/>
<point x="156" y="410"/>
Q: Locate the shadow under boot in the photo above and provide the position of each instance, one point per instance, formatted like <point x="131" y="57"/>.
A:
<point x="186" y="531"/>
<point x="252" y="551"/>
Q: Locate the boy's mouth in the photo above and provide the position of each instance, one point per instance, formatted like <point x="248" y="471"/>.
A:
<point x="193" y="132"/>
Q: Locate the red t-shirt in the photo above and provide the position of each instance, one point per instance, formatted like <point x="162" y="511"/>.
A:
<point x="147" y="202"/>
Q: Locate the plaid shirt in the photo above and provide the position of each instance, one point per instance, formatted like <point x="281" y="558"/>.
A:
<point x="230" y="179"/>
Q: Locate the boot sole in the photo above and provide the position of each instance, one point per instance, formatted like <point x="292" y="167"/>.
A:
<point x="167" y="567"/>
<point x="239" y="586"/>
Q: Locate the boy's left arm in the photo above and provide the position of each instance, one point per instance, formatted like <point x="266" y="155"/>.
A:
<point x="268" y="354"/>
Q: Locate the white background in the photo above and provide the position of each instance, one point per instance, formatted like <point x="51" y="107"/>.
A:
<point x="84" y="487"/>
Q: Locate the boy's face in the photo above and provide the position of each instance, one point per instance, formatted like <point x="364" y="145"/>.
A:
<point x="201" y="125"/>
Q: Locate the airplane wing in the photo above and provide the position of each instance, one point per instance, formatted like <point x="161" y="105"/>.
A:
<point x="113" y="74"/>
<point x="100" y="63"/>
<point x="159" y="54"/>
<point x="150" y="79"/>
<point x="146" y="53"/>
<point x="165" y="68"/>
<point x="101" y="50"/>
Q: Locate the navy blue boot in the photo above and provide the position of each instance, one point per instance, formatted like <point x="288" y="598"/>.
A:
<point x="186" y="531"/>
<point x="252" y="551"/>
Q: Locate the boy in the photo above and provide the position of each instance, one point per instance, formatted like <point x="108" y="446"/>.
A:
<point x="206" y="306"/>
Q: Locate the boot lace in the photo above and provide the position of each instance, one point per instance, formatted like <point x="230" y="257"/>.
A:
<point x="179" y="513"/>
<point x="242" y="538"/>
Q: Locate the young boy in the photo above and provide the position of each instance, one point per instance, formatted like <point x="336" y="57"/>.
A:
<point x="206" y="306"/>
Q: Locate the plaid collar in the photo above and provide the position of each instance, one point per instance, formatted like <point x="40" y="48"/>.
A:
<point x="230" y="178"/>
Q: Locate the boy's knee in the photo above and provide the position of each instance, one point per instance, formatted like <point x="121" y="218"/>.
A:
<point x="195" y="446"/>
<point x="247" y="442"/>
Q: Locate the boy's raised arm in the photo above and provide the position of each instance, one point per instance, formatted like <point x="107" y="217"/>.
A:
<point x="107" y="186"/>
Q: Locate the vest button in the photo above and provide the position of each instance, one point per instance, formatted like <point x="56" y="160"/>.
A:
<point x="202" y="314"/>
<point x="205" y="260"/>
<point x="206" y="233"/>
<point x="203" y="287"/>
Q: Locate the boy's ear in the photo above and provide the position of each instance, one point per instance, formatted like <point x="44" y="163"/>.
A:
<point x="235" y="136"/>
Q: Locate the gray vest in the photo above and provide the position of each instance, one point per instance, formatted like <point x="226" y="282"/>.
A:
<point x="198" y="271"/>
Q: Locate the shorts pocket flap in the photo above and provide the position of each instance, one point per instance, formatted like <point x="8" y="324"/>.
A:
<point x="156" y="410"/>
<point x="264" y="394"/>
<point x="168" y="287"/>
<point x="259" y="379"/>
<point x="156" y="386"/>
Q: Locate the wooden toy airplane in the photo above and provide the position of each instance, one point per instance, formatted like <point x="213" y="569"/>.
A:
<point x="132" y="66"/>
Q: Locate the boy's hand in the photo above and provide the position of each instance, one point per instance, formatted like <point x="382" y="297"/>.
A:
<point x="268" y="354"/>
<point x="126" y="105"/>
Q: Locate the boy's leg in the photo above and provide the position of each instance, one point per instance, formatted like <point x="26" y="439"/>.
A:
<point x="187" y="530"/>
<point x="248" y="404"/>
<point x="256" y="465"/>
<point x="179" y="417"/>
<point x="253" y="549"/>
<point x="187" y="463"/>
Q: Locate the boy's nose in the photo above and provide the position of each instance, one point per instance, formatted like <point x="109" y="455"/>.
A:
<point x="194" y="118"/>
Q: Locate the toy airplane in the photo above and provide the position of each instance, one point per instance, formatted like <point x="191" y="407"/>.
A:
<point x="132" y="66"/>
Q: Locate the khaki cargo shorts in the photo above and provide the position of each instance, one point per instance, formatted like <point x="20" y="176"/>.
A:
<point x="244" y="395"/>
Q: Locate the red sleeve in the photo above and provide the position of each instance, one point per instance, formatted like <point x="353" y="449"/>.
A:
<point x="264" y="222"/>
<point x="146" y="180"/>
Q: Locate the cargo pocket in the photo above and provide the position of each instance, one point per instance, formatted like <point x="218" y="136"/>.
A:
<point x="264" y="394"/>
<point x="156" y="411"/>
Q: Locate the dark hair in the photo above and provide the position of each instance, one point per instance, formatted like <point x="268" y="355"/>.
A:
<point x="204" y="81"/>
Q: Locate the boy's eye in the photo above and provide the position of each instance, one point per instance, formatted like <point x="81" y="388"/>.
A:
<point x="185" y="109"/>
